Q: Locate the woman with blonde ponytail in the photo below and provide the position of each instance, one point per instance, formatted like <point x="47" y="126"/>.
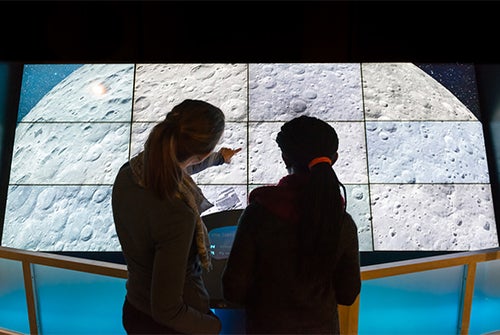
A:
<point x="156" y="209"/>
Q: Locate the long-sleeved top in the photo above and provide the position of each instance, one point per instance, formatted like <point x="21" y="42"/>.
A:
<point x="215" y="158"/>
<point x="164" y="272"/>
<point x="260" y="273"/>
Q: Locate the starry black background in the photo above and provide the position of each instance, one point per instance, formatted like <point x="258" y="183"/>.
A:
<point x="459" y="79"/>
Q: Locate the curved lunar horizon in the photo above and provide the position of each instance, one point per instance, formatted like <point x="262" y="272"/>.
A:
<point x="411" y="155"/>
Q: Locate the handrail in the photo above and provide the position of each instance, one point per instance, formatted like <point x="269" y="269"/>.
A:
<point x="65" y="262"/>
<point x="4" y="331"/>
<point x="428" y="263"/>
<point x="28" y="258"/>
<point x="348" y="315"/>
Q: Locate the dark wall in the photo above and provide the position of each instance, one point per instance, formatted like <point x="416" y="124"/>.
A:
<point x="248" y="31"/>
<point x="10" y="84"/>
<point x="488" y="79"/>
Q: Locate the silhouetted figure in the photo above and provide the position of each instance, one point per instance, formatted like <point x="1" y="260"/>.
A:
<point x="156" y="209"/>
<point x="295" y="255"/>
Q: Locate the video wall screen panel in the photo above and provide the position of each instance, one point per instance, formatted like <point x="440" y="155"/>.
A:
<point x="412" y="152"/>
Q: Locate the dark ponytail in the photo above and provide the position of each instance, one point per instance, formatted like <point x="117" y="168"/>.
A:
<point x="320" y="225"/>
<point x="303" y="140"/>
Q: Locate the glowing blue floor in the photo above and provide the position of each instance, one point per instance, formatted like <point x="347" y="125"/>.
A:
<point x="427" y="303"/>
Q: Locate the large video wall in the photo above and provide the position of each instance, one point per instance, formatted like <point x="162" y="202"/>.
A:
<point x="412" y="152"/>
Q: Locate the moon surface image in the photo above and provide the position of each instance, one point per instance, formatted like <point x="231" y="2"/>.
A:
<point x="411" y="155"/>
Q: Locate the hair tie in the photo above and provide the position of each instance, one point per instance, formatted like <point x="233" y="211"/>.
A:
<point x="322" y="159"/>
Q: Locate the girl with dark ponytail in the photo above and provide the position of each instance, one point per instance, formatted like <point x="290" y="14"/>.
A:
<point x="295" y="256"/>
